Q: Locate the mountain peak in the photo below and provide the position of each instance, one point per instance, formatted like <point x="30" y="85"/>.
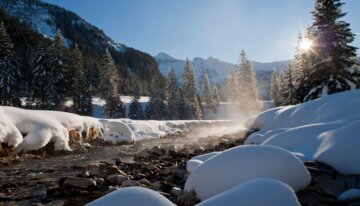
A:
<point x="162" y="56"/>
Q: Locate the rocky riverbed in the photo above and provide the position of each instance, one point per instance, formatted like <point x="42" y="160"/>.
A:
<point x="88" y="173"/>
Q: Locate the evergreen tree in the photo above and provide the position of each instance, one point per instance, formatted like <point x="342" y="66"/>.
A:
<point x="42" y="78"/>
<point x="108" y="88"/>
<point x="232" y="91"/>
<point x="248" y="95"/>
<point x="135" y="110"/>
<point x="80" y="88"/>
<point x="331" y="55"/>
<point x="207" y="97"/>
<point x="287" y="88"/>
<point x="215" y="98"/>
<point x="9" y="71"/>
<point x="173" y="96"/>
<point x="275" y="96"/>
<point x="191" y="93"/>
<point x="156" y="107"/>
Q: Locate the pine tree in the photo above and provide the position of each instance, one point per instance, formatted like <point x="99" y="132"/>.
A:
<point x="248" y="95"/>
<point x="331" y="55"/>
<point x="232" y="87"/>
<point x="9" y="71"/>
<point x="287" y="89"/>
<point x="156" y="107"/>
<point x="58" y="61"/>
<point x="191" y="93"/>
<point x="108" y="88"/>
<point x="80" y="90"/>
<point x="173" y="96"/>
<point x="275" y="96"/>
<point x="135" y="109"/>
<point x="207" y="98"/>
<point x="215" y="98"/>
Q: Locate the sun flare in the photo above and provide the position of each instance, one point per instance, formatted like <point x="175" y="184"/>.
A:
<point x="306" y="44"/>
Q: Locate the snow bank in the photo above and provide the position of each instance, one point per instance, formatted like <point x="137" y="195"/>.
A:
<point x="256" y="192"/>
<point x="8" y="132"/>
<point x="138" y="196"/>
<point x="39" y="129"/>
<point x="239" y="164"/>
<point x="349" y="195"/>
<point x="324" y="130"/>
<point x="198" y="160"/>
<point x="126" y="130"/>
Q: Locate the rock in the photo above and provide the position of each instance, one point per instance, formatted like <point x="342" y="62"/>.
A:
<point x="80" y="182"/>
<point x="115" y="170"/>
<point x="129" y="183"/>
<point x="139" y="175"/>
<point x="188" y="199"/>
<point x="111" y="189"/>
<point x="165" y="171"/>
<point x="179" y="173"/>
<point x="176" y="191"/>
<point x="99" y="181"/>
<point x="144" y="181"/>
<point x="95" y="171"/>
<point x="158" y="151"/>
<point x="116" y="179"/>
<point x="157" y="185"/>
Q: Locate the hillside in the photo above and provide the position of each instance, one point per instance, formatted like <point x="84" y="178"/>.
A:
<point x="45" y="19"/>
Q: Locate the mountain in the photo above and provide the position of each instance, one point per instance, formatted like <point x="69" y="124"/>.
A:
<point x="218" y="70"/>
<point x="45" y="19"/>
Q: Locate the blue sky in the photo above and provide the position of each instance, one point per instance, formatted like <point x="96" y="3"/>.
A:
<point x="266" y="29"/>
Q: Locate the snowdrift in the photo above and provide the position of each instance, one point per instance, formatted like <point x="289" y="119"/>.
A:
<point x="138" y="196"/>
<point x="255" y="192"/>
<point x="325" y="130"/>
<point x="240" y="164"/>
<point x="9" y="134"/>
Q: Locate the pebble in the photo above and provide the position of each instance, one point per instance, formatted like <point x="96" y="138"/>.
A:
<point x="117" y="179"/>
<point x="130" y="183"/>
<point x="80" y="182"/>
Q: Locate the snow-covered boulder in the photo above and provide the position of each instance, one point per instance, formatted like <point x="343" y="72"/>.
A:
<point x="324" y="130"/>
<point x="198" y="160"/>
<point x="138" y="196"/>
<point x="349" y="195"/>
<point x="9" y="134"/>
<point x="256" y="192"/>
<point x="340" y="148"/>
<point x="239" y="164"/>
<point x="117" y="131"/>
<point x="40" y="129"/>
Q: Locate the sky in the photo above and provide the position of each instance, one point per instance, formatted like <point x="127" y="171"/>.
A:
<point x="265" y="29"/>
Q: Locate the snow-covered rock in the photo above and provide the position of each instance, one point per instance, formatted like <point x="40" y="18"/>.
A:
<point x="239" y="164"/>
<point x="40" y="129"/>
<point x="324" y="130"/>
<point x="198" y="160"/>
<point x="138" y="196"/>
<point x="349" y="195"/>
<point x="256" y="192"/>
<point x="8" y="132"/>
<point x="117" y="131"/>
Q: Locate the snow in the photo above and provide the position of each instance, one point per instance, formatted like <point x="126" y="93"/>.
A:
<point x="39" y="129"/>
<point x="256" y="192"/>
<point x="323" y="130"/>
<point x="126" y="130"/>
<point x="239" y="164"/>
<point x="8" y="132"/>
<point x="349" y="195"/>
<point x="198" y="160"/>
<point x="138" y="196"/>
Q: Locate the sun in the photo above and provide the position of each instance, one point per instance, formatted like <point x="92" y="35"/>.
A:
<point x="306" y="44"/>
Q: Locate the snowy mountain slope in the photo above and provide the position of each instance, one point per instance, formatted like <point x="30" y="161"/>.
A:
<point x="44" y="18"/>
<point x="218" y="70"/>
